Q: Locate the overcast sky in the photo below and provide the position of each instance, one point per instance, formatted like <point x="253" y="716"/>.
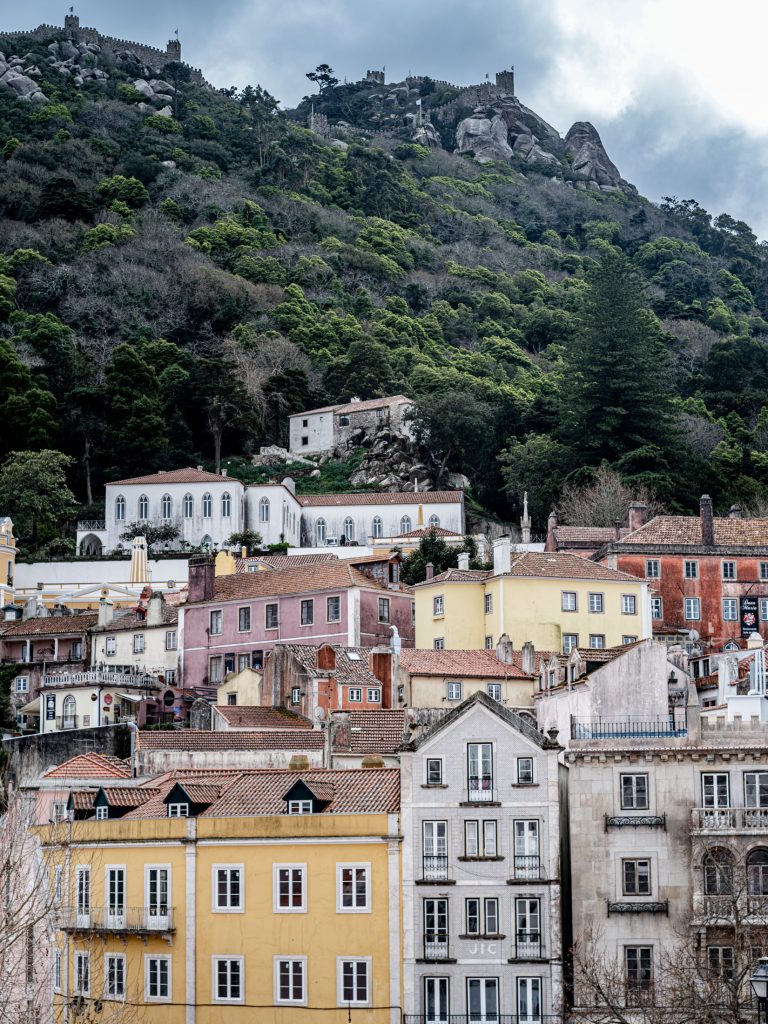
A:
<point x="676" y="88"/>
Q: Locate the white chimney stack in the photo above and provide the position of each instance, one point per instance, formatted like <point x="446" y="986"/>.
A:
<point x="463" y="559"/>
<point x="106" y="611"/>
<point x="502" y="555"/>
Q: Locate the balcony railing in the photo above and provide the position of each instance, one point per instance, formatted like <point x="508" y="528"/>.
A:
<point x="730" y="819"/>
<point x="528" y="946"/>
<point x="91" y="524"/>
<point x="68" y="722"/>
<point x="527" y="868"/>
<point x="434" y="868"/>
<point x="117" y="919"/>
<point x="482" y="1018"/>
<point x="627" y="728"/>
<point x="97" y="677"/>
<point x="480" y="790"/>
<point x="644" y="907"/>
<point x="436" y="948"/>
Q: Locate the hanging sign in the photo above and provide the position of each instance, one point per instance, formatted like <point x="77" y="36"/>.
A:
<point x="749" y="616"/>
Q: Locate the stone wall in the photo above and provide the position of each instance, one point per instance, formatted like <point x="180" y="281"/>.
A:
<point x="29" y="756"/>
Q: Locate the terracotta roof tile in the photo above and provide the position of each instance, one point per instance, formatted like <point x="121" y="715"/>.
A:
<point x="82" y="799"/>
<point x="367" y="406"/>
<point x="373" y="732"/>
<point x="203" y="793"/>
<point x="50" y="625"/>
<point x="352" y="663"/>
<point x="686" y="530"/>
<point x="380" y="498"/>
<point x="255" y="717"/>
<point x="588" y="534"/>
<point x="188" y="475"/>
<point x="156" y="807"/>
<point x="231" y="739"/>
<point x="469" y="664"/>
<point x="90" y="766"/>
<point x="303" y="579"/>
<point x="127" y="620"/>
<point x="283" y="561"/>
<point x="458" y="576"/>
<point x="128" y="796"/>
<point x="564" y="565"/>
<point x="424" y="531"/>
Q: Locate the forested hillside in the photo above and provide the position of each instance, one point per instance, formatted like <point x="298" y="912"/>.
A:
<point x="173" y="286"/>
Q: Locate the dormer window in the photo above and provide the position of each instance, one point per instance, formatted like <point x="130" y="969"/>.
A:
<point x="102" y="813"/>
<point x="300" y="807"/>
<point x="178" y="810"/>
<point x="306" y="796"/>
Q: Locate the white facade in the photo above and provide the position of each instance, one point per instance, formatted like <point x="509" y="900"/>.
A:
<point x="316" y="427"/>
<point x="482" y="869"/>
<point x="273" y="511"/>
<point x="360" y="518"/>
<point x="323" y="430"/>
<point x="140" y="646"/>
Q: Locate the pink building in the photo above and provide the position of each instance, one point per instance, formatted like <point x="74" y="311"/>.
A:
<point x="231" y="623"/>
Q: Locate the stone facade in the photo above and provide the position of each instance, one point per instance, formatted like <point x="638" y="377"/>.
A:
<point x="334" y="427"/>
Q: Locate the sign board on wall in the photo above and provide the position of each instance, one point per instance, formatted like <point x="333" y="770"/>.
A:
<point x="50" y="707"/>
<point x="749" y="615"/>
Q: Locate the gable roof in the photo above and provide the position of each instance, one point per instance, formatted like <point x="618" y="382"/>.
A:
<point x="583" y="536"/>
<point x="373" y="732"/>
<point x="127" y="620"/>
<point x="231" y="739"/>
<point x="470" y="664"/>
<point x="425" y="531"/>
<point x="90" y="766"/>
<point x="202" y="793"/>
<point x="380" y="498"/>
<point x="126" y="796"/>
<point x="539" y="565"/>
<point x="50" y="625"/>
<point x="283" y="561"/>
<point x="352" y="663"/>
<point x="300" y="580"/>
<point x="367" y="406"/>
<point x="512" y="718"/>
<point x="686" y="530"/>
<point x="250" y="716"/>
<point x="187" y="475"/>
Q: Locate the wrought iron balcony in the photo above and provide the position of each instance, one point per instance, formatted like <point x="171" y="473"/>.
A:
<point x="527" y="868"/>
<point x="138" y="920"/>
<point x="434" y="868"/>
<point x="91" y="524"/>
<point x="528" y="946"/>
<point x="436" y="947"/>
<point x="488" y="1017"/>
<point x="646" y="907"/>
<point x="480" y="790"/>
<point x="98" y="677"/>
<point x="672" y="726"/>
<point x="730" y="819"/>
<point x="636" y="821"/>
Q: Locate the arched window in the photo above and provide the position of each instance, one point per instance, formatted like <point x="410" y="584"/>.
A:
<point x="69" y="720"/>
<point x="434" y="522"/>
<point x="120" y="508"/>
<point x="376" y="530"/>
<point x="206" y="542"/>
<point x="405" y="524"/>
<point x="320" y="531"/>
<point x="757" y="873"/>
<point x="188" y="506"/>
<point x="349" y="528"/>
<point x="166" y="506"/>
<point x="731" y="646"/>
<point x="718" y="873"/>
<point x="207" y="506"/>
<point x="226" y="505"/>
<point x="264" y="510"/>
<point x="143" y="507"/>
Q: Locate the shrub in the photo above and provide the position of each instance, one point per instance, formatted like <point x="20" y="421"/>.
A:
<point x="164" y="125"/>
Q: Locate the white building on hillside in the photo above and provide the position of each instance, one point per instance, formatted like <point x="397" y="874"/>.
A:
<point x="329" y="520"/>
<point x="323" y="430"/>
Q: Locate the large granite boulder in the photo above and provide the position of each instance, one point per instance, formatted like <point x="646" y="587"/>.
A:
<point x="485" y="137"/>
<point x="427" y="135"/>
<point x="23" y="87"/>
<point x="586" y="153"/>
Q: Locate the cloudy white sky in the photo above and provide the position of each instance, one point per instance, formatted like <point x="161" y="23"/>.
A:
<point x="675" y="87"/>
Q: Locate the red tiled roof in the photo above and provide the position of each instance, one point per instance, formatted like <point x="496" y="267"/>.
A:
<point x="380" y="498"/>
<point x="283" y="561"/>
<point x="540" y="565"/>
<point x="204" y="793"/>
<point x="156" y="807"/>
<point x="686" y="530"/>
<point x="470" y="664"/>
<point x="249" y="716"/>
<point x="231" y="739"/>
<point x="188" y="475"/>
<point x="370" y="404"/>
<point x="588" y="534"/>
<point x="374" y="732"/>
<point x="50" y="625"/>
<point x="90" y="766"/>
<point x="302" y="579"/>
<point x="352" y="663"/>
<point x="127" y="620"/>
<point x="424" y="531"/>
<point x="82" y="799"/>
<point x="128" y="796"/>
<point x="458" y="576"/>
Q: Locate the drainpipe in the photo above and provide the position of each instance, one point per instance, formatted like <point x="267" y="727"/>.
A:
<point x="134" y="736"/>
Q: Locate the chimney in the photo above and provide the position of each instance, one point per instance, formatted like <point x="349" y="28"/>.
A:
<point x="617" y="529"/>
<point x="202" y="578"/>
<point x="529" y="658"/>
<point x="289" y="484"/>
<point x="326" y="658"/>
<point x="551" y="542"/>
<point x="504" y="649"/>
<point x="707" y="521"/>
<point x="106" y="611"/>
<point x="155" y="609"/>
<point x="463" y="559"/>
<point x="199" y="469"/>
<point x="525" y="522"/>
<point x="502" y="555"/>
<point x="381" y="666"/>
<point x="638" y="515"/>
<point x="734" y="512"/>
<point x="430" y="570"/>
<point x="224" y="472"/>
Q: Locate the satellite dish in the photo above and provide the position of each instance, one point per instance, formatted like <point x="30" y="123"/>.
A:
<point x="319" y="714"/>
<point x="693" y="635"/>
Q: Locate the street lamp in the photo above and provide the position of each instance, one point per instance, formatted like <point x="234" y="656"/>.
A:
<point x="759" y="985"/>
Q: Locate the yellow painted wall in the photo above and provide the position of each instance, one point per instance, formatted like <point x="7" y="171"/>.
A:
<point x="430" y="691"/>
<point x="462" y="624"/>
<point x="245" y="685"/>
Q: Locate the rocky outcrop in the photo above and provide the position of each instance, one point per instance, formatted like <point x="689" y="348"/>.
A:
<point x="586" y="153"/>
<point x="485" y="137"/>
<point x="427" y="135"/>
<point x="392" y="463"/>
<point x="18" y="77"/>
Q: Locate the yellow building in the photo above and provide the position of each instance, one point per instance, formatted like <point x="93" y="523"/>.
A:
<point x="429" y="678"/>
<point x="7" y="561"/>
<point x="555" y="600"/>
<point x="214" y="897"/>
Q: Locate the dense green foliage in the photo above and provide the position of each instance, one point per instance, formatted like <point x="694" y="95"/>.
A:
<point x="172" y="288"/>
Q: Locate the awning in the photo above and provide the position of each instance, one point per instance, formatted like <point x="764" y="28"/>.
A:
<point x="130" y="696"/>
<point x="33" y="708"/>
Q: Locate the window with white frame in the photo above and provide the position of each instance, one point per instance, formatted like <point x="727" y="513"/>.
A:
<point x="482" y="916"/>
<point x="102" y="813"/>
<point x="434" y="522"/>
<point x="377" y="527"/>
<point x="321" y="532"/>
<point x="110" y="646"/>
<point x="22" y="684"/>
<point x="82" y="973"/>
<point x="628" y="639"/>
<point x="691" y="569"/>
<point x="489" y="643"/>
<point x="692" y="609"/>
<point x="597" y="641"/>
<point x="157" y="978"/>
<point x="355" y="694"/>
<point x="373" y="695"/>
<point x="333" y="609"/>
<point x="636" y="877"/>
<point x="634" y="791"/>
<point x="529" y="1001"/>
<point x="730" y="609"/>
<point x="349" y="528"/>
<point x="138" y="643"/>
<point x="764" y="609"/>
<point x="216" y="622"/>
<point x="657" y="610"/>
<point x="383" y="609"/>
<point x="569" y="601"/>
<point x="226" y="505"/>
<point x="228" y="979"/>
<point x="715" y="789"/>
<point x="483" y="999"/>
<point x="764" y="570"/>
<point x="729" y="570"/>
<point x="494" y="690"/>
<point x="434" y="771"/>
<point x="353" y="888"/>
<point x="525" y="771"/>
<point x="290" y="980"/>
<point x="228" y="888"/>
<point x="295" y="695"/>
<point x="166" y="506"/>
<point x="290" y="888"/>
<point x="488" y="604"/>
<point x="354" y="982"/>
<point x="300" y="807"/>
<point x="628" y="604"/>
<point x="114" y="976"/>
<point x="307" y="612"/>
<point x="143" y="507"/>
<point x="438" y="605"/>
<point x="207" y="506"/>
<point x="405" y="524"/>
<point x="439" y="643"/>
<point x="570" y="641"/>
<point x="756" y="789"/>
<point x="453" y="690"/>
<point x="652" y="568"/>
<point x="596" y="603"/>
<point x="189" y="506"/>
<point x="178" y="810"/>
<point x="170" y="640"/>
<point x="481" y="838"/>
<point x="120" y="508"/>
<point x="215" y="663"/>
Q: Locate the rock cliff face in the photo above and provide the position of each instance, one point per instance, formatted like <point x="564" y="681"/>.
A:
<point x="508" y="129"/>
